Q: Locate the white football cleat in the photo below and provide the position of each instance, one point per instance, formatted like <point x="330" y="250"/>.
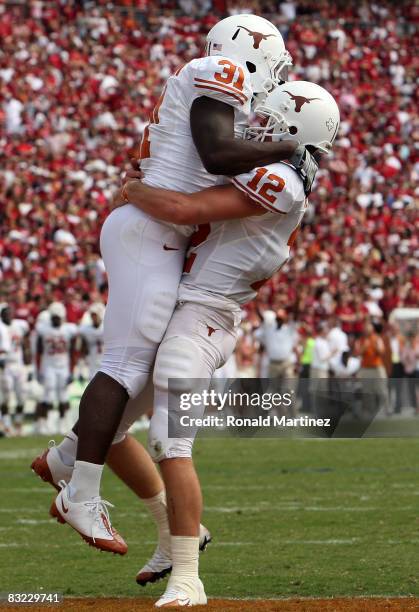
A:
<point x="160" y="563"/>
<point x="90" y="519"/>
<point x="182" y="593"/>
<point x="50" y="468"/>
<point x="157" y="568"/>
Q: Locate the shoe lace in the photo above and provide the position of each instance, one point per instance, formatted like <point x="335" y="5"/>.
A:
<point x="99" y="507"/>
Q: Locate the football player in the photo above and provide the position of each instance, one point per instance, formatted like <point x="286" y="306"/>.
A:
<point x="226" y="264"/>
<point x="55" y="343"/>
<point x="91" y="334"/>
<point x="14" y="343"/>
<point x="191" y="139"/>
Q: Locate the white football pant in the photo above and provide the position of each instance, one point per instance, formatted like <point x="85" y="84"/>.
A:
<point x="144" y="261"/>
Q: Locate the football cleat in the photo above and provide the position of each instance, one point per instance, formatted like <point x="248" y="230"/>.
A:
<point x="160" y="563"/>
<point x="157" y="568"/>
<point x="90" y="519"/>
<point x="50" y="468"/>
<point x="183" y="593"/>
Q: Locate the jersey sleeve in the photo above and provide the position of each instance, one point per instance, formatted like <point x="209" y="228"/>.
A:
<point x="276" y="187"/>
<point x="220" y="78"/>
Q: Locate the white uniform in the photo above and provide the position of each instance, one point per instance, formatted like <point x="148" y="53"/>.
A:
<point x="55" y="360"/>
<point x="169" y="157"/>
<point x="13" y="377"/>
<point x="226" y="264"/>
<point x="144" y="257"/>
<point x="94" y="340"/>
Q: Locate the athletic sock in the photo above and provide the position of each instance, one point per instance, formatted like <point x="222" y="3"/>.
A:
<point x="158" y="510"/>
<point x="67" y="448"/>
<point x="185" y="558"/>
<point x="85" y="481"/>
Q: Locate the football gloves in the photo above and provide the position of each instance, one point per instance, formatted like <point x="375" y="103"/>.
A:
<point x="306" y="166"/>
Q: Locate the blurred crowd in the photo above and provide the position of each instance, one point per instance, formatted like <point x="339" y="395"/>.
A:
<point x="78" y="80"/>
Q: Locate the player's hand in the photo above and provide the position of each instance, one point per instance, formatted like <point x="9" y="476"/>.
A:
<point x="130" y="175"/>
<point x="306" y="166"/>
<point x="118" y="200"/>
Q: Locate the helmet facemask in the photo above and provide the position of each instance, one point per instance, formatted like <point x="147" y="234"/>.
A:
<point x="275" y="127"/>
<point x="280" y="126"/>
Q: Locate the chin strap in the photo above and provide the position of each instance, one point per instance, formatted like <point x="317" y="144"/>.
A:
<point x="306" y="166"/>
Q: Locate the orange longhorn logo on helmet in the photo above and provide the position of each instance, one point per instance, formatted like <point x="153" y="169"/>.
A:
<point x="257" y="36"/>
<point x="300" y="100"/>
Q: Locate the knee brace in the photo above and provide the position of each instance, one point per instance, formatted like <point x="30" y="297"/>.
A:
<point x="159" y="445"/>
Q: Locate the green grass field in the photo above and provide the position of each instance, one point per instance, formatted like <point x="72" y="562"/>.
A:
<point x="289" y="518"/>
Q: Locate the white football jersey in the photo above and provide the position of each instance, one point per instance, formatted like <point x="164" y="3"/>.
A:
<point x="169" y="158"/>
<point x="5" y="340"/>
<point x="17" y="331"/>
<point x="56" y="344"/>
<point x="94" y="339"/>
<point x="228" y="262"/>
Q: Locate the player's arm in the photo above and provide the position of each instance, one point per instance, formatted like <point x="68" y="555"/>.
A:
<point x="73" y="354"/>
<point x="212" y="127"/>
<point x="219" y="203"/>
<point x="39" y="352"/>
<point x="84" y="346"/>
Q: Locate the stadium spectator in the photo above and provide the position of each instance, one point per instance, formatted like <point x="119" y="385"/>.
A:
<point x="371" y="350"/>
<point x="319" y="368"/>
<point x="410" y="360"/>
<point x="280" y="339"/>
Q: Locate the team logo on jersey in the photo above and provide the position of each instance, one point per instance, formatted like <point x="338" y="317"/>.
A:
<point x="257" y="36"/>
<point x="300" y="100"/>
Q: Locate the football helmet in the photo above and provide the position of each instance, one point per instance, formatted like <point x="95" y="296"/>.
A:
<point x="97" y="308"/>
<point x="57" y="309"/>
<point x="254" y="42"/>
<point x="300" y="111"/>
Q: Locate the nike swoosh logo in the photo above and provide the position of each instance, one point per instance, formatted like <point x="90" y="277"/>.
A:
<point x="184" y="602"/>
<point x="167" y="248"/>
<point x="65" y="510"/>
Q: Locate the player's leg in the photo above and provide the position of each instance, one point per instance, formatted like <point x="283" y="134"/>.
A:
<point x="63" y="398"/>
<point x="190" y="353"/>
<point x="132" y="464"/>
<point x="46" y="405"/>
<point x="19" y="382"/>
<point x="6" y="382"/>
<point x="143" y="278"/>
